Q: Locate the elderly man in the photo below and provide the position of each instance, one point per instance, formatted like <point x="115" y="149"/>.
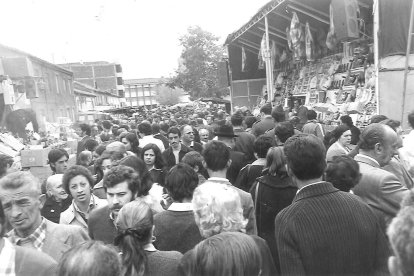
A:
<point x="378" y="188"/>
<point x="22" y="202"/>
<point x="187" y="138"/>
<point x="325" y="231"/>
<point x="120" y="184"/>
<point x="6" y="163"/>
<point x="20" y="261"/>
<point x="204" y="135"/>
<point x="57" y="200"/>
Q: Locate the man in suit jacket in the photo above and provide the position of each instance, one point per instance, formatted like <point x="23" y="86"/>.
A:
<point x="187" y="138"/>
<point x="378" y="188"/>
<point x="325" y="231"/>
<point x="22" y="202"/>
<point x="176" y="151"/>
<point x="84" y="132"/>
<point x="266" y="121"/>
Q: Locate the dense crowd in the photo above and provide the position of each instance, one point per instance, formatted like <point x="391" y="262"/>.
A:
<point x="201" y="192"/>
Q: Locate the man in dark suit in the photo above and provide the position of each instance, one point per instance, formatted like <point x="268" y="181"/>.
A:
<point x="325" y="231"/>
<point x="176" y="151"/>
<point x="244" y="140"/>
<point x="266" y="121"/>
<point x="85" y="133"/>
<point x="157" y="134"/>
<point x="187" y="138"/>
<point x="379" y="188"/>
<point x="21" y="200"/>
<point x="121" y="185"/>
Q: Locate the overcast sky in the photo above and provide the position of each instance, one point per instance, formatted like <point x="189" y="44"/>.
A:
<point x="142" y="35"/>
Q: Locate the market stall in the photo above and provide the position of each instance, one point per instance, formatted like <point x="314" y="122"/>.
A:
<point x="326" y="53"/>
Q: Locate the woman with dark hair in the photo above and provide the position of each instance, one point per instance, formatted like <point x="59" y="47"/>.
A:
<point x="339" y="143"/>
<point x="77" y="182"/>
<point x="271" y="193"/>
<point x="135" y="237"/>
<point x="343" y="173"/>
<point x="155" y="163"/>
<point x="132" y="143"/>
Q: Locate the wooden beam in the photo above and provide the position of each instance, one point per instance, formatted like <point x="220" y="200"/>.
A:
<point x="326" y="15"/>
<point x="308" y="14"/>
<point x="274" y="34"/>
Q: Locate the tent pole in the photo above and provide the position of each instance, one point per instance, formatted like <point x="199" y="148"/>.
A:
<point x="269" y="67"/>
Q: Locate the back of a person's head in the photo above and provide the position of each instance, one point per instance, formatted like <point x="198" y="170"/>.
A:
<point x="266" y="109"/>
<point x="106" y="124"/>
<point x="411" y="119"/>
<point x="116" y="146"/>
<point x="237" y="119"/>
<point x="278" y="116"/>
<point x="401" y="236"/>
<point x="155" y="128"/>
<point x="311" y="114"/>
<point x="284" y="131"/>
<point x="91" y="144"/>
<point x="180" y="182"/>
<point x="92" y="258"/>
<point x="347" y="120"/>
<point x="145" y="128"/>
<point x="216" y="155"/>
<point x="228" y="253"/>
<point x="84" y="158"/>
<point x="305" y="156"/>
<point x="371" y="135"/>
<point x="262" y="144"/>
<point x="276" y="162"/>
<point x="394" y="124"/>
<point x="86" y="128"/>
<point x="193" y="159"/>
<point x="105" y="137"/>
<point x="343" y="173"/>
<point x="377" y="118"/>
<point x="5" y="162"/>
<point x="164" y="127"/>
<point x="249" y="121"/>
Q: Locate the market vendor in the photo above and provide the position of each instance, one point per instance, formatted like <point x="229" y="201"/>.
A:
<point x="301" y="111"/>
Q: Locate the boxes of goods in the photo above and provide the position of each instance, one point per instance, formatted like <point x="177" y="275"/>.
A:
<point x="34" y="157"/>
<point x="42" y="173"/>
<point x="10" y="141"/>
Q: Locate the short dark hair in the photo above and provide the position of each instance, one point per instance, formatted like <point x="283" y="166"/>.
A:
<point x="378" y="118"/>
<point x="120" y="174"/>
<point x="278" y="116"/>
<point x="193" y="158"/>
<point x="343" y="173"/>
<point x="106" y="124"/>
<point x="249" y="121"/>
<point x="347" y="120"/>
<point x="262" y="144"/>
<point x="411" y="119"/>
<point x="237" y="119"/>
<point x="155" y="128"/>
<point x="54" y="155"/>
<point x="284" y="131"/>
<point x="181" y="182"/>
<point x="174" y="130"/>
<point x="91" y="144"/>
<point x="311" y="114"/>
<point x="394" y="124"/>
<point x="216" y="155"/>
<point x="85" y="128"/>
<point x="337" y="133"/>
<point x="73" y="172"/>
<point x="139" y="166"/>
<point x="164" y="127"/>
<point x="371" y="135"/>
<point x="105" y="137"/>
<point x="4" y="161"/>
<point x="145" y="128"/>
<point x="266" y="109"/>
<point x="305" y="156"/>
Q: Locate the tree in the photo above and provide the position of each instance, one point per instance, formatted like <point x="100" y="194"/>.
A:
<point x="197" y="72"/>
<point x="167" y="95"/>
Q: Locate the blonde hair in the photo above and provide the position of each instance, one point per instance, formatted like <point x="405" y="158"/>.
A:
<point x="217" y="208"/>
<point x="276" y="161"/>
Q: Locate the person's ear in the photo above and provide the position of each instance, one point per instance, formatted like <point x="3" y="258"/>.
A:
<point x="378" y="148"/>
<point x="42" y="200"/>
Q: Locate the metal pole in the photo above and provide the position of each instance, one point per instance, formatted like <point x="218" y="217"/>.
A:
<point x="376" y="53"/>
<point x="407" y="58"/>
<point x="269" y="67"/>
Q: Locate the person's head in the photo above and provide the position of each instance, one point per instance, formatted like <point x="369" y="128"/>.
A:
<point x="94" y="130"/>
<point x="400" y="233"/>
<point x="261" y="145"/>
<point x="294" y="120"/>
<point x="85" y="129"/>
<point x="106" y="125"/>
<point x="6" y="163"/>
<point x="347" y="120"/>
<point x="411" y="119"/>
<point x="78" y="182"/>
<point x="394" y="124"/>
<point x="343" y="173"/>
<point x="174" y="137"/>
<point x="225" y="134"/>
<point x="195" y="160"/>
<point x="105" y="137"/>
<point x="377" y="118"/>
<point x="121" y="184"/>
<point x="164" y="128"/>
<point x="92" y="258"/>
<point x="204" y="134"/>
<point x="277" y="99"/>
<point x="135" y="226"/>
<point x="180" y="182"/>
<point x="297" y="103"/>
<point x="104" y="162"/>
<point x="228" y="253"/>
<point x="155" y="128"/>
<point x="144" y="176"/>
<point x="284" y="131"/>
<point x="311" y="114"/>
<point x="278" y="116"/>
<point x="58" y="160"/>
<point x="116" y="147"/>
<point x="54" y="187"/>
<point x="379" y="142"/>
<point x="91" y="145"/>
<point x="217" y="208"/>
<point x="276" y="162"/>
<point x="144" y="129"/>
<point x="131" y="142"/>
<point x="237" y="119"/>
<point x="341" y="134"/>
<point x="187" y="134"/>
<point x="249" y="121"/>
<point x="216" y="156"/>
<point x="266" y="110"/>
<point x="21" y="200"/>
<point x="305" y="157"/>
<point x="152" y="156"/>
<point x="85" y="158"/>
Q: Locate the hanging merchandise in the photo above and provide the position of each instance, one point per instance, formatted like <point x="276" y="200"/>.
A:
<point x="262" y="52"/>
<point x="289" y="39"/>
<point x="310" y="46"/>
<point x="273" y="53"/>
<point x="331" y="40"/>
<point x="244" y="62"/>
<point x="298" y="37"/>
<point x="283" y="57"/>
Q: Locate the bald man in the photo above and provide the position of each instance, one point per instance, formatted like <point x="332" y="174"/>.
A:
<point x="57" y="200"/>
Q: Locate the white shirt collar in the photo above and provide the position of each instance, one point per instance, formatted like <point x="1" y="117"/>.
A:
<point x="319" y="182"/>
<point x="260" y="162"/>
<point x="181" y="207"/>
<point x="370" y="158"/>
<point x="218" y="179"/>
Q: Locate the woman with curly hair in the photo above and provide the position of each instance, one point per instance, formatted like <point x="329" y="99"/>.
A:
<point x="135" y="237"/>
<point x="155" y="163"/>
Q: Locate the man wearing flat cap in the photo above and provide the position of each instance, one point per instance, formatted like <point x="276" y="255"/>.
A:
<point x="225" y="134"/>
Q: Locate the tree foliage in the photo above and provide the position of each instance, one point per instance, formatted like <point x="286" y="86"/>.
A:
<point x="167" y="95"/>
<point x="197" y="73"/>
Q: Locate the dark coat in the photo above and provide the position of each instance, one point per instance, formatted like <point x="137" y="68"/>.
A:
<point x="262" y="126"/>
<point x="237" y="163"/>
<point x="51" y="209"/>
<point x="101" y="227"/>
<point x="169" y="157"/>
<point x="247" y="176"/>
<point x="244" y="144"/>
<point x="163" y="139"/>
<point x="328" y="232"/>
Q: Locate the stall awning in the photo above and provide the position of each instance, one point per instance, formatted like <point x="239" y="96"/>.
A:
<point x="84" y="93"/>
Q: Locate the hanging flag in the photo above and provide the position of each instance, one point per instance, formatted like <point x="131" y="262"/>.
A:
<point x="262" y="52"/>
<point x="310" y="46"/>
<point x="244" y="63"/>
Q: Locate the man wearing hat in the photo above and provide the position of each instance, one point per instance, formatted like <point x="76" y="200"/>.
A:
<point x="225" y="134"/>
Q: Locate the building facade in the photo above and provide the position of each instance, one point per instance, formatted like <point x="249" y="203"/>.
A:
<point x="142" y="92"/>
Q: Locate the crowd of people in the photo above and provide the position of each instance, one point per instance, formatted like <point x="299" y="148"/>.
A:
<point x="185" y="192"/>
